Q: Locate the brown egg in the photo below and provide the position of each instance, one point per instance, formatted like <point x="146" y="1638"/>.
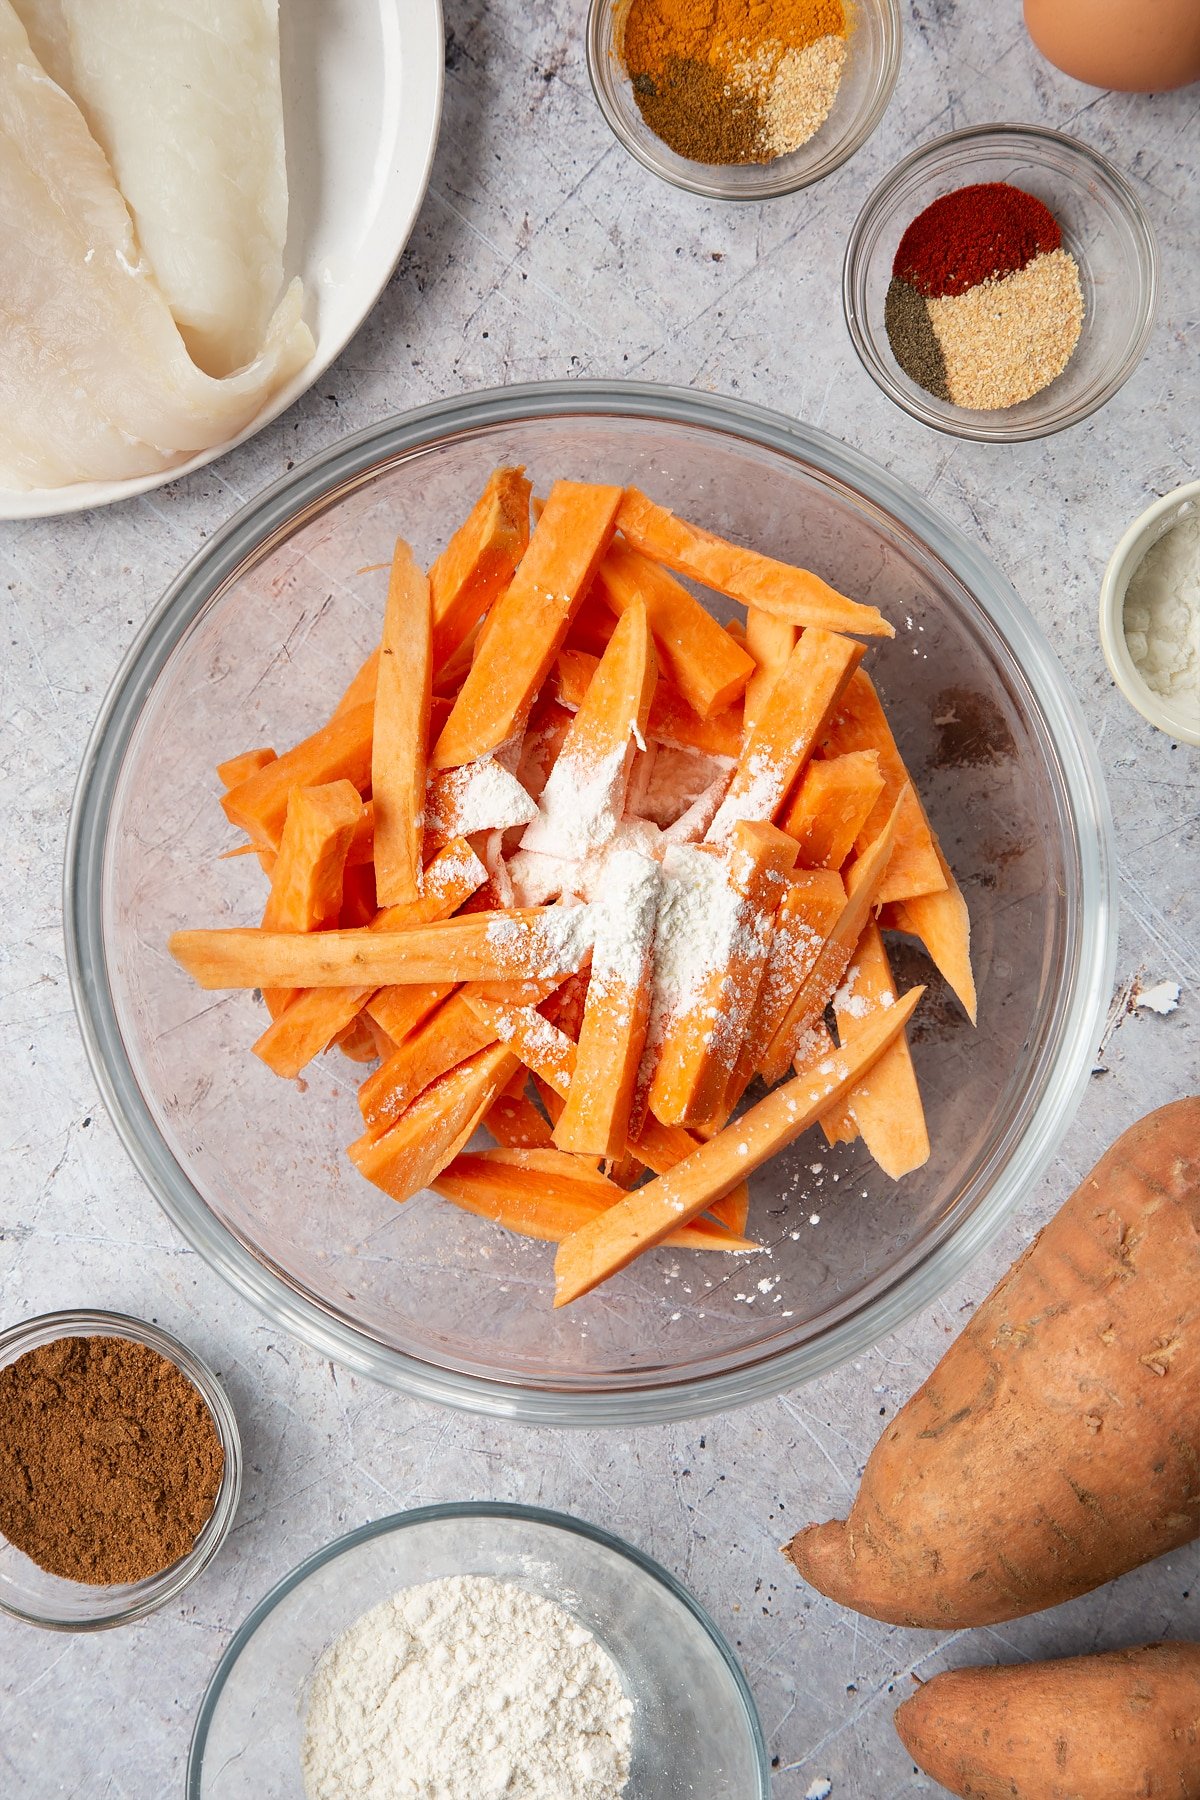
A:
<point x="1139" y="46"/>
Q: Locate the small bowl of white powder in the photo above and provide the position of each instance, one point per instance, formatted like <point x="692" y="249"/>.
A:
<point x="1150" y="614"/>
<point x="478" y="1652"/>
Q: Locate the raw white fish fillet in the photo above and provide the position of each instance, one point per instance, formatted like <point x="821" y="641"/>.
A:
<point x="95" y="380"/>
<point x="184" y="98"/>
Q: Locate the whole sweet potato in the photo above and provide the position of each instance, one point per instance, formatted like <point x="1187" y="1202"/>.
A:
<point x="1057" y="1443"/>
<point x="1123" y="1724"/>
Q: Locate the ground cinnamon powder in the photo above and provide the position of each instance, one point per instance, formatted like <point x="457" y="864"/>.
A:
<point x="110" y="1461"/>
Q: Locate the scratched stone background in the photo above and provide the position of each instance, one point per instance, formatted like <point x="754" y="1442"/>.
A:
<point x="544" y="251"/>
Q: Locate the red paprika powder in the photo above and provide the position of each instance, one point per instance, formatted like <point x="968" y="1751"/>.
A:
<point x="977" y="233"/>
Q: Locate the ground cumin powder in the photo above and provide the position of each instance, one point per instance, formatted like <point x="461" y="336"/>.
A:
<point x="734" y="81"/>
<point x="110" y="1461"/>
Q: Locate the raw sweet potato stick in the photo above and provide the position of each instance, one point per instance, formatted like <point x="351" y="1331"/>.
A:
<point x="885" y="1108"/>
<point x="341" y="750"/>
<point x="832" y="803"/>
<point x="436" y="1126"/>
<point x="670" y="720"/>
<point x="503" y="946"/>
<point x="445" y="1039"/>
<point x="702" y="661"/>
<point x="717" y="922"/>
<point x="584" y="796"/>
<point x="595" y="1118"/>
<point x="859" y="723"/>
<point x="645" y="1217"/>
<point x="548" y="1194"/>
<point x="787" y="731"/>
<point x="403" y="694"/>
<point x="770" y="642"/>
<point x="306" y="880"/>
<point x="942" y="923"/>
<point x="479" y="561"/>
<point x="526" y="626"/>
<point x="817" y="989"/>
<point x="316" y="1016"/>
<point x="236" y="769"/>
<point x="795" y="595"/>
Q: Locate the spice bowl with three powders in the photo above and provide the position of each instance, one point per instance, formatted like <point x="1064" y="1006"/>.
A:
<point x="744" y="102"/>
<point x="1032" y="345"/>
<point x="120" y="1469"/>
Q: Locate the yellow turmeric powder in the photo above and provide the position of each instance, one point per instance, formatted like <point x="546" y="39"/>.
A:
<point x="722" y="81"/>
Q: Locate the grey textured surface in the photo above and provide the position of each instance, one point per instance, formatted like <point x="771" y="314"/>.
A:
<point x="543" y="250"/>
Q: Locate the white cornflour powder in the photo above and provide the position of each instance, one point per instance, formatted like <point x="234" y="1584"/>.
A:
<point x="581" y="803"/>
<point x="626" y="910"/>
<point x="1162" y="612"/>
<point x="479" y="796"/>
<point x="467" y="1689"/>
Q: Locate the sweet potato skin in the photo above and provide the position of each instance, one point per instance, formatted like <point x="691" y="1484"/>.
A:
<point x="1081" y="1728"/>
<point x="1057" y="1443"/>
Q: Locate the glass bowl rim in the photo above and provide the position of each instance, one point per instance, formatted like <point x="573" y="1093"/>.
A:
<point x="864" y="338"/>
<point x="469" y="1509"/>
<point x="272" y="515"/>
<point x="154" y="1590"/>
<point x="768" y="188"/>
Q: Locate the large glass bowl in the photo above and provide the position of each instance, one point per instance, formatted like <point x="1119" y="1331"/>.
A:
<point x="249" y="647"/>
<point x="696" y="1734"/>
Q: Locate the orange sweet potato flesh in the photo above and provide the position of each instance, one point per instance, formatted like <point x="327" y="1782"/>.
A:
<point x="860" y="723"/>
<point x="515" y="1121"/>
<point x="340" y="751"/>
<point x="1057" y="1443"/>
<point x="831" y="805"/>
<point x="527" y="625"/>
<point x="436" y="1126"/>
<point x="885" y="1108"/>
<point x="1125" y="1723"/>
<point x="361" y="690"/>
<point x="446" y="1038"/>
<point x="479" y="561"/>
<point x="670" y="720"/>
<point x="942" y="923"/>
<point x="700" y="659"/>
<point x="770" y="641"/>
<point x="236" y="769"/>
<point x="403" y="697"/>
<point x="746" y="575"/>
<point x="644" y="1218"/>
<point x="306" y="881"/>
<point x="792" y="722"/>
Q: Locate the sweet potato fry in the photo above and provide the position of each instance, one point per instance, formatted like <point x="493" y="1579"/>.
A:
<point x="644" y="1218"/>
<point x="791" y="724"/>
<point x="315" y="1017"/>
<point x="340" y="751"/>
<point x="595" y="1119"/>
<point x="770" y="642"/>
<point x="584" y="795"/>
<point x="547" y="1194"/>
<point x="859" y="723"/>
<point x="830" y="806"/>
<point x="733" y="900"/>
<point x="515" y="1121"/>
<point x="670" y="719"/>
<point x="527" y="625"/>
<point x="361" y="690"/>
<point x="440" y="1121"/>
<point x="756" y="580"/>
<point x="942" y="923"/>
<point x="399" y="1010"/>
<point x="479" y="561"/>
<point x="522" y="944"/>
<point x="444" y="1039"/>
<point x="306" y="881"/>
<point x="237" y="769"/>
<point x="402" y="702"/>
<point x="817" y="989"/>
<point x="885" y="1108"/>
<point x="705" y="666"/>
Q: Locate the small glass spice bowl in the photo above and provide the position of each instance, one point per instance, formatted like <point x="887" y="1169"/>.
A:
<point x="34" y="1595"/>
<point x="873" y="45"/>
<point x="1169" y="715"/>
<point x="1103" y="227"/>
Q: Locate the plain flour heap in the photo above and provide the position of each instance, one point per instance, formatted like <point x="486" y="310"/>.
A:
<point x="467" y="1689"/>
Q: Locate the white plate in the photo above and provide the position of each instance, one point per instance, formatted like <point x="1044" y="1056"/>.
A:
<point x="362" y="97"/>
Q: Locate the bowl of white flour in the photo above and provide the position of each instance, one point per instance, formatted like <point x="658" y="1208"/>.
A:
<point x="478" y="1652"/>
<point x="1150" y="614"/>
